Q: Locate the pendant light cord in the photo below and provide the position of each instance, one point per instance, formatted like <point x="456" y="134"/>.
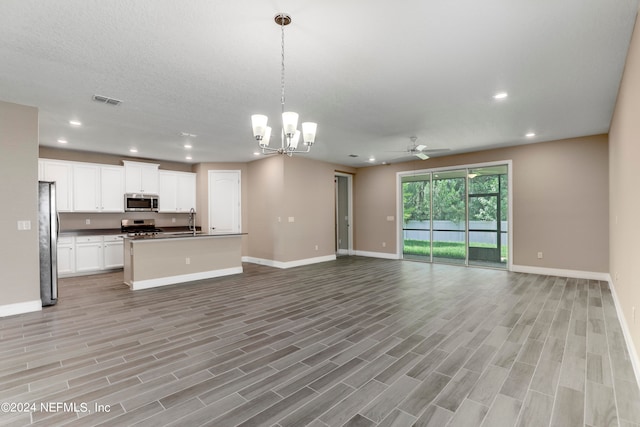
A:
<point x="282" y="74"/>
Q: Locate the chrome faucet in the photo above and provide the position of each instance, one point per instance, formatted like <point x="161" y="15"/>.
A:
<point x="192" y="220"/>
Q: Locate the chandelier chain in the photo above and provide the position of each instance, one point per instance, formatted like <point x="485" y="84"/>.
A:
<point x="282" y="57"/>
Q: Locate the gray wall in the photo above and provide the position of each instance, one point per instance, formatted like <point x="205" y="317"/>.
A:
<point x="560" y="201"/>
<point x="624" y="155"/>
<point x="19" y="260"/>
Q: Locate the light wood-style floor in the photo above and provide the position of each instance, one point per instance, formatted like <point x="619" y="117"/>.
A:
<point x="356" y="342"/>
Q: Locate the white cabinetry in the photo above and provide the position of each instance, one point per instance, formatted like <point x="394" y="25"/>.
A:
<point x="98" y="188"/>
<point x="113" y="251"/>
<point x="61" y="173"/>
<point x="86" y="187"/>
<point x="177" y="191"/>
<point x="88" y="253"/>
<point x="141" y="177"/>
<point x="66" y="257"/>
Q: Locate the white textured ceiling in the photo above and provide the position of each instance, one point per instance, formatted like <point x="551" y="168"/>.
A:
<point x="372" y="73"/>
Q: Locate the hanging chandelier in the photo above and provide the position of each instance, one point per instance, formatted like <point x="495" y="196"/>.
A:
<point x="290" y="135"/>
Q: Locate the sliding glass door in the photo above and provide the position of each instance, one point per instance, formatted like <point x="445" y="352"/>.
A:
<point x="488" y="209"/>
<point x="416" y="198"/>
<point x="449" y="216"/>
<point x="456" y="216"/>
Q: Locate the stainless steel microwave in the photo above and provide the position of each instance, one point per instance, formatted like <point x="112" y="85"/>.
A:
<point x="140" y="202"/>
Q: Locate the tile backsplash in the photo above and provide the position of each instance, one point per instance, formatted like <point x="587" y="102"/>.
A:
<point x="78" y="221"/>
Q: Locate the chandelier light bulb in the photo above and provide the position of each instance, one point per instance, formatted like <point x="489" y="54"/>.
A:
<point x="259" y="124"/>
<point x="309" y="132"/>
<point x="289" y="123"/>
<point x="267" y="137"/>
<point x="295" y="139"/>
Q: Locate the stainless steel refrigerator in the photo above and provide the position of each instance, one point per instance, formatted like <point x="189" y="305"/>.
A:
<point x="48" y="236"/>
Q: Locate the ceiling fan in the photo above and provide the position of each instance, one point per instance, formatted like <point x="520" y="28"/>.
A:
<point x="420" y="151"/>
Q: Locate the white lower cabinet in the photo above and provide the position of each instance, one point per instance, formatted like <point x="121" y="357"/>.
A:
<point x="66" y="256"/>
<point x="113" y="251"/>
<point x="90" y="254"/>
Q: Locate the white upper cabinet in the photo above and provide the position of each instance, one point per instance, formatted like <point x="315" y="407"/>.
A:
<point x="186" y="191"/>
<point x="98" y="188"/>
<point x="177" y="192"/>
<point x="61" y="173"/>
<point x="112" y="188"/>
<point x="141" y="177"/>
<point x="86" y="187"/>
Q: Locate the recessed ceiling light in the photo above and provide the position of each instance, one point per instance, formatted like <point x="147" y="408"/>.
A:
<point x="188" y="157"/>
<point x="187" y="134"/>
<point x="256" y="153"/>
<point x="500" y="95"/>
<point x="62" y="141"/>
<point x="530" y="134"/>
<point x="372" y="159"/>
<point x="75" y="123"/>
<point x="133" y="150"/>
<point x="188" y="146"/>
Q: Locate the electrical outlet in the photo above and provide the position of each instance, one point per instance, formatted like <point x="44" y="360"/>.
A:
<point x="87" y="221"/>
<point x="187" y="260"/>
<point x="384" y="244"/>
<point x="292" y="219"/>
<point x="316" y="247"/>
<point x="539" y="255"/>
<point x="390" y="218"/>
<point x="173" y="220"/>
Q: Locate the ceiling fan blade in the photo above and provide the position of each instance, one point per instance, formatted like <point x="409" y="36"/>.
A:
<point x="421" y="155"/>
<point x="421" y="147"/>
<point x="436" y="150"/>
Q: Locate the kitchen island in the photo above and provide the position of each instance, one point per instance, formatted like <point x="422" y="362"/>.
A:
<point x="168" y="259"/>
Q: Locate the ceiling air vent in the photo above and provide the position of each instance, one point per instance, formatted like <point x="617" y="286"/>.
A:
<point x="106" y="100"/>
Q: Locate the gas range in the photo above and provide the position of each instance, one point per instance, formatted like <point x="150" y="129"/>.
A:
<point x="139" y="227"/>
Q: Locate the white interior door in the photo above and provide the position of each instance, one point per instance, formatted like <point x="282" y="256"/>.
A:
<point x="224" y="201"/>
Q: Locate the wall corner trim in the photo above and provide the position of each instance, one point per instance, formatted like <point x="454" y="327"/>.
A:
<point x="576" y="274"/>
<point x="635" y="360"/>
<point x="20" y="308"/>
<point x="289" y="264"/>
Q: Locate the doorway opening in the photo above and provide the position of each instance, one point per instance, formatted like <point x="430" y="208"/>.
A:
<point x="343" y="214"/>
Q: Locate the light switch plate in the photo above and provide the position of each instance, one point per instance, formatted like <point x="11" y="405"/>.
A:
<point x="24" y="225"/>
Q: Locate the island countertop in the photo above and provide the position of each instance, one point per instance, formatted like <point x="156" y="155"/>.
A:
<point x="180" y="235"/>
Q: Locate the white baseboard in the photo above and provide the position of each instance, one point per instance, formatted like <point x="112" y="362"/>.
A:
<point x="289" y="264"/>
<point x="576" y="274"/>
<point x="20" y="308"/>
<point x="631" y="349"/>
<point x="182" y="278"/>
<point x="384" y="255"/>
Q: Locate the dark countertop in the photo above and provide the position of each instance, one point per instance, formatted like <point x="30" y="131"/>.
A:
<point x="116" y="231"/>
<point x="180" y="235"/>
